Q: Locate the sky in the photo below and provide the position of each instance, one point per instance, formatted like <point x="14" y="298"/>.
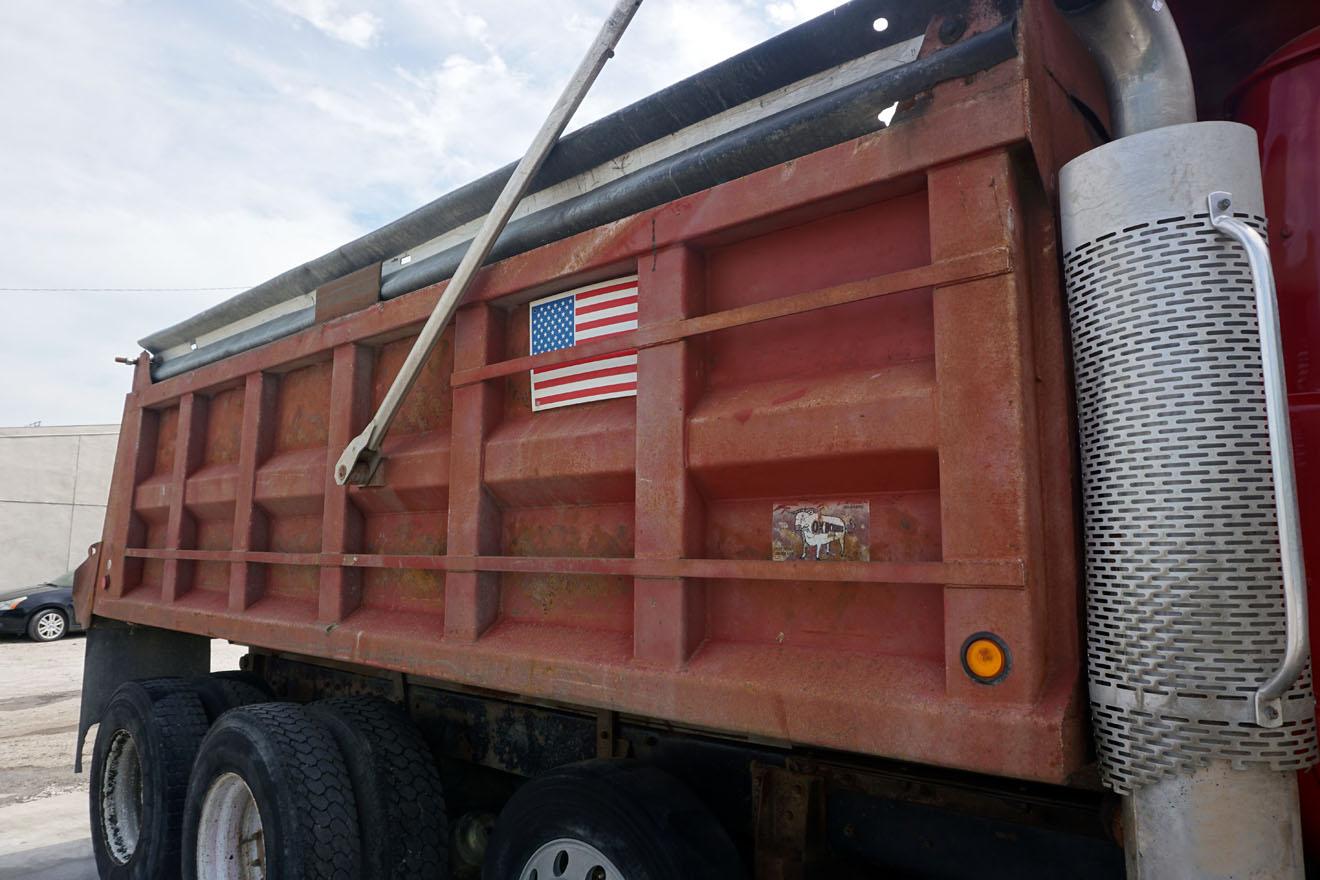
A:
<point x="170" y="145"/>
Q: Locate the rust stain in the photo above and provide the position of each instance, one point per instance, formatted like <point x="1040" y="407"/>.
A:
<point x="801" y="392"/>
<point x="224" y="418"/>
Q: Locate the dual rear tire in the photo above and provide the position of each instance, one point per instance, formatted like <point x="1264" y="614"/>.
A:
<point x="270" y="797"/>
<point x="146" y="742"/>
<point x="609" y="820"/>
<point x="343" y="788"/>
<point x="207" y="780"/>
<point x="148" y="736"/>
<point x="210" y="779"/>
<point x="400" y="803"/>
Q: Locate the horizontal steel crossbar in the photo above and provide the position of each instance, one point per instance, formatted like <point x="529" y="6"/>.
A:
<point x="999" y="573"/>
<point x="957" y="270"/>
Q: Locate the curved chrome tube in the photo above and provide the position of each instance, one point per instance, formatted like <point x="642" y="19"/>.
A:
<point x="1141" y="57"/>
<point x="1269" y="708"/>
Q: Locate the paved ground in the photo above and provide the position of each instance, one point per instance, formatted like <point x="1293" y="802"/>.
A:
<point x="43" y="803"/>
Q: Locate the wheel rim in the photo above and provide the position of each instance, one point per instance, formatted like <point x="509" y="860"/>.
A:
<point x="121" y="797"/>
<point x="50" y="626"/>
<point x="570" y="860"/>
<point x="231" y="844"/>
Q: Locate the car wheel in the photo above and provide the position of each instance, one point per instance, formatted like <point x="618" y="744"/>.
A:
<point x="270" y="798"/>
<point x="401" y="807"/>
<point x="145" y="744"/>
<point x="609" y="820"/>
<point x="48" y="625"/>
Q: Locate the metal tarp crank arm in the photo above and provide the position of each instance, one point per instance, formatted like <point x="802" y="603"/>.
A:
<point x="1297" y="648"/>
<point x="361" y="457"/>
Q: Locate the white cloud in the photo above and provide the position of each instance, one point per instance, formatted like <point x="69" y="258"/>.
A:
<point x="791" y="12"/>
<point x="355" y="28"/>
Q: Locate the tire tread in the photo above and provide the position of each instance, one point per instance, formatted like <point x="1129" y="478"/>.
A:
<point x="219" y="694"/>
<point x="318" y="779"/>
<point x="408" y="788"/>
<point x="183" y="725"/>
<point x="171" y="716"/>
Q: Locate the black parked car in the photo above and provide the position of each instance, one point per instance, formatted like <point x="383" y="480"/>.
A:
<point x="44" y="611"/>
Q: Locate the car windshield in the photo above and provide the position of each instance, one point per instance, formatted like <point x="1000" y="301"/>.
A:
<point x="64" y="580"/>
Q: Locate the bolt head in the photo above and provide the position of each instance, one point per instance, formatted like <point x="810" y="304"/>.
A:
<point x="952" y="29"/>
<point x="1224" y="204"/>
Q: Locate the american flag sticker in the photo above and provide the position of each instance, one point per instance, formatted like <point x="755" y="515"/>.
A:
<point x="566" y="319"/>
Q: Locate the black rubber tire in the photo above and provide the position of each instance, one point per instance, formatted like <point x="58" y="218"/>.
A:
<point x="32" y="625"/>
<point x="247" y="678"/>
<point x="297" y="777"/>
<point x="401" y="805"/>
<point x="167" y="723"/>
<point x="220" y="693"/>
<point x="648" y="824"/>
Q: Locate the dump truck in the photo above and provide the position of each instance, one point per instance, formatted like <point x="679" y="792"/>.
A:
<point x="886" y="453"/>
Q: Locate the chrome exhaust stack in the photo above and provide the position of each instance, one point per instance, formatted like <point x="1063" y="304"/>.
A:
<point x="1197" y="644"/>
<point x="1135" y="44"/>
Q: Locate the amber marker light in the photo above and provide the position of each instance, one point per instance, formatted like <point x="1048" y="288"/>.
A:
<point x="985" y="658"/>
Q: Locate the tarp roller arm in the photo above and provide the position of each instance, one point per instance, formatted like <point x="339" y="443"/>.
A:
<point x="361" y="458"/>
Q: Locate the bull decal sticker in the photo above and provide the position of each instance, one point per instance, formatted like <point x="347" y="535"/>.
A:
<point x="821" y="532"/>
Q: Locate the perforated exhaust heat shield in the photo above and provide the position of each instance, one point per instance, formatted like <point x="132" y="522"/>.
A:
<point x="1185" y="596"/>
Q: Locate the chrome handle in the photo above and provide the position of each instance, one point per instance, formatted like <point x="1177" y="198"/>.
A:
<point x="1269" y="703"/>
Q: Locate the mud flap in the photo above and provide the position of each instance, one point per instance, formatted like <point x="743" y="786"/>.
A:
<point x="118" y="652"/>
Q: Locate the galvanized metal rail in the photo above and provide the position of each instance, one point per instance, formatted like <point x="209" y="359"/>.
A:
<point x="1297" y="646"/>
<point x="361" y="458"/>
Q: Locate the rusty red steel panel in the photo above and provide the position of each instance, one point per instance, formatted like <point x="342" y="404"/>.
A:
<point x="873" y="329"/>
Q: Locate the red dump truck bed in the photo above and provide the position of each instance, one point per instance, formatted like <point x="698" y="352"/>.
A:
<point x="872" y="332"/>
<point x="753" y="483"/>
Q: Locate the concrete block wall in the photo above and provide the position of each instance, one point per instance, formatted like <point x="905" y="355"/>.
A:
<point x="52" y="500"/>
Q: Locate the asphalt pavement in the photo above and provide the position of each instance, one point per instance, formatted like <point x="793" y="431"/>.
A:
<point x="44" y="832"/>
